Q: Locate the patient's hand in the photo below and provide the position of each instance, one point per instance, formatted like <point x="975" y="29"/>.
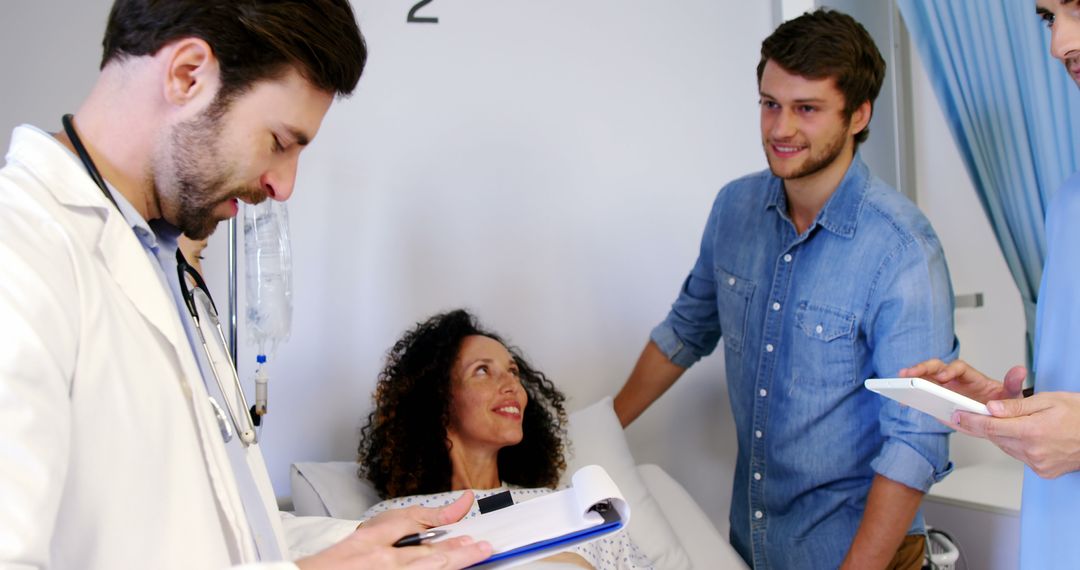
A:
<point x="370" y="545"/>
<point x="568" y="558"/>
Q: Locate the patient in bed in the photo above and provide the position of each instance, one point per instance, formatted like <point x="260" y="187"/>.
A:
<point x="456" y="409"/>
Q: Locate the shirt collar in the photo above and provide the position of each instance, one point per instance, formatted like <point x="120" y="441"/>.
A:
<point x="841" y="211"/>
<point x="153" y="235"/>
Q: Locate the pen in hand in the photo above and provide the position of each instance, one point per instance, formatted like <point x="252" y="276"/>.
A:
<point x="418" y="538"/>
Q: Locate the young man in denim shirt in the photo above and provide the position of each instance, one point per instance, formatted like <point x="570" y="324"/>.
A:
<point x="816" y="275"/>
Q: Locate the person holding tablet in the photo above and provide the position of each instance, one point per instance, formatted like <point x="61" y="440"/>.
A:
<point x="1042" y="430"/>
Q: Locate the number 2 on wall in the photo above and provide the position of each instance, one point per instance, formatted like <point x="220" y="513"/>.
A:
<point x="414" y="19"/>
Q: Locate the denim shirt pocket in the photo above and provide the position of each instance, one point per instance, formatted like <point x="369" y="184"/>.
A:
<point x="823" y="347"/>
<point x="733" y="294"/>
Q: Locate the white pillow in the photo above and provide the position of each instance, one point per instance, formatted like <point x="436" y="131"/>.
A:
<point x="330" y="489"/>
<point x="597" y="437"/>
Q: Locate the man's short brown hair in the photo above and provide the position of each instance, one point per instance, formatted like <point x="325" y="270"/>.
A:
<point x="827" y="43"/>
<point x="253" y="40"/>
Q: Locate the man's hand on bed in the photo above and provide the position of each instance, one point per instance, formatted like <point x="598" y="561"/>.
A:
<point x="370" y="545"/>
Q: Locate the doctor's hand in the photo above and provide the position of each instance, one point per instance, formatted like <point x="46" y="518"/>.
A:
<point x="370" y="546"/>
<point x="960" y="377"/>
<point x="1042" y="430"/>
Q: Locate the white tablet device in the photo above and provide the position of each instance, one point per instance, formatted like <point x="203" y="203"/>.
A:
<point x="925" y="396"/>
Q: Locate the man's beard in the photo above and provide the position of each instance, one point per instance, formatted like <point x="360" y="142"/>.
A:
<point x="816" y="162"/>
<point x="198" y="176"/>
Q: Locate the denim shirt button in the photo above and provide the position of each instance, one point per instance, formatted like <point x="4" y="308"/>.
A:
<point x="776" y="306"/>
<point x="763" y="392"/>
<point x="769" y="348"/>
<point x="819" y="329"/>
<point x="758" y="514"/>
<point x="758" y="433"/>
<point x="757" y="476"/>
<point x="787" y="258"/>
<point x="731" y="281"/>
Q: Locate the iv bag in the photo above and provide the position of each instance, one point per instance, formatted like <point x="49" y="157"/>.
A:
<point x="268" y="268"/>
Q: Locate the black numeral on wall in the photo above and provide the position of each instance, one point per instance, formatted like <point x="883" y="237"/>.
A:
<point x="414" y="19"/>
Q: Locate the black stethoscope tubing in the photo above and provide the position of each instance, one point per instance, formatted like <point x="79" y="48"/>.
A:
<point x="182" y="266"/>
<point x="182" y="269"/>
<point x="84" y="156"/>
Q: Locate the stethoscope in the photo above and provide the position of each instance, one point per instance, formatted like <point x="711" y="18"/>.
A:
<point x="198" y="302"/>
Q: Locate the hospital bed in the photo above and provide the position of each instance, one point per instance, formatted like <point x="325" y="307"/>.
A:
<point x="666" y="523"/>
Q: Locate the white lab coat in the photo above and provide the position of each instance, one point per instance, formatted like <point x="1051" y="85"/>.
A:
<point x="110" y="456"/>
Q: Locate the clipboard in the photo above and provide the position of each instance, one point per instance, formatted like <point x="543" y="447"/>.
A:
<point x="591" y="508"/>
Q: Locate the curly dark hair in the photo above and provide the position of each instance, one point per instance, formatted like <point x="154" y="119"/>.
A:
<point x="404" y="448"/>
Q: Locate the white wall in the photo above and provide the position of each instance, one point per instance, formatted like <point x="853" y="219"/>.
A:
<point x="548" y="164"/>
<point x="51" y="54"/>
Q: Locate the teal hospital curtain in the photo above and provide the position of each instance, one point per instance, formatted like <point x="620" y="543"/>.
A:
<point x="1014" y="113"/>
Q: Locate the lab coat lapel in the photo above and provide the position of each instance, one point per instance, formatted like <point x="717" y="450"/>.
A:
<point x="98" y="222"/>
<point x="99" y="230"/>
<point x="135" y="274"/>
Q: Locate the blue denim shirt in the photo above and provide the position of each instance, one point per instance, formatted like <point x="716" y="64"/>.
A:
<point x="805" y="319"/>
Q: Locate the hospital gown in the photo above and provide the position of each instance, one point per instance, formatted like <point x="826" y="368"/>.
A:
<point x="612" y="552"/>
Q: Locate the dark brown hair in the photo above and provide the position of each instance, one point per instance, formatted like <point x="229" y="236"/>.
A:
<point x="404" y="449"/>
<point x="827" y="43"/>
<point x="253" y="40"/>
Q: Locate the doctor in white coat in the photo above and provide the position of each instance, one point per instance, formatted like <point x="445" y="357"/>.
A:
<point x="112" y="447"/>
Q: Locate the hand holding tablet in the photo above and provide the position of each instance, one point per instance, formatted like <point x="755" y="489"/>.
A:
<point x="925" y="396"/>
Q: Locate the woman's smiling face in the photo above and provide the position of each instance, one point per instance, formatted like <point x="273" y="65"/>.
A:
<point x="488" y="400"/>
